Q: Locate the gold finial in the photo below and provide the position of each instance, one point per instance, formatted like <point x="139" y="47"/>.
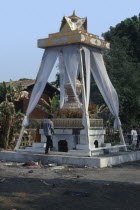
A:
<point x="73" y="13"/>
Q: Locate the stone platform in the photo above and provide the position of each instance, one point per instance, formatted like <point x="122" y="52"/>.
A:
<point x="96" y="161"/>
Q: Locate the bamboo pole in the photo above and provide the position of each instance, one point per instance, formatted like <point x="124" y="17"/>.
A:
<point x="84" y="99"/>
<point x="20" y="138"/>
<point x="122" y="138"/>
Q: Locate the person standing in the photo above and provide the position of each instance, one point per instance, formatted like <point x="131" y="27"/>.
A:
<point x="134" y="136"/>
<point x="48" y="131"/>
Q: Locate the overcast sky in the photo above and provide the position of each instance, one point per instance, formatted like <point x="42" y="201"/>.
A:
<point x="22" y="22"/>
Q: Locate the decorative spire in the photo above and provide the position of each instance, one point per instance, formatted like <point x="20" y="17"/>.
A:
<point x="73" y="13"/>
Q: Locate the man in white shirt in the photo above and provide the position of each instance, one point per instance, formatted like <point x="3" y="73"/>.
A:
<point x="134" y="137"/>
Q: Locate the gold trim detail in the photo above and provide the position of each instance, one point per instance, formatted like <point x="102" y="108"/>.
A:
<point x="71" y="38"/>
<point x="73" y="30"/>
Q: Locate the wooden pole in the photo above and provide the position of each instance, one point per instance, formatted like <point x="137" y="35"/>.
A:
<point x="122" y="137"/>
<point x="84" y="100"/>
<point x="20" y="138"/>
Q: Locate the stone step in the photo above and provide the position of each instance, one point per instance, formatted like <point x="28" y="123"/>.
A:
<point x="81" y="153"/>
<point x="35" y="150"/>
<point x="106" y="145"/>
<point x="96" y="152"/>
<point x="84" y="147"/>
<point x="39" y="145"/>
<point x="78" y="152"/>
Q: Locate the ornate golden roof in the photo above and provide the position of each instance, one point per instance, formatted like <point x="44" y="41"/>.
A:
<point x="73" y="22"/>
<point x="73" y="29"/>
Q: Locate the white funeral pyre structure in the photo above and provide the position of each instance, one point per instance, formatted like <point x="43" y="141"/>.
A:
<point x="72" y="46"/>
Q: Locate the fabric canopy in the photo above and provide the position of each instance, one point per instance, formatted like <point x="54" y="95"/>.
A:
<point x="104" y="84"/>
<point x="63" y="79"/>
<point x="69" y="65"/>
<point x="69" y="58"/>
<point x="48" y="61"/>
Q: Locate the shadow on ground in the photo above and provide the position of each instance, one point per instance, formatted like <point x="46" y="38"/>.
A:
<point x="33" y="193"/>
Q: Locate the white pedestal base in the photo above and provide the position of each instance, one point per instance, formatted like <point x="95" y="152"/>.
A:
<point x="75" y="140"/>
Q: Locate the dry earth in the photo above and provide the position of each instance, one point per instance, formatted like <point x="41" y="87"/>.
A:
<point x="69" y="187"/>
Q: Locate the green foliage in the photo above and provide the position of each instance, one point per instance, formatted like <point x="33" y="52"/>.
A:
<point x="54" y="103"/>
<point x="56" y="83"/>
<point x="10" y="118"/>
<point x="123" y="66"/>
<point x="51" y="106"/>
<point x="23" y="79"/>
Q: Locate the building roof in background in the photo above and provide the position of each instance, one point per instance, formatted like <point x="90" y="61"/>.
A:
<point x="26" y="83"/>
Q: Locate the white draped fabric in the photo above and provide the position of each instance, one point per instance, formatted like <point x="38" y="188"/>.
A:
<point x="87" y="63"/>
<point x="48" y="61"/>
<point x="69" y="63"/>
<point x="104" y="84"/>
<point x="71" y="58"/>
<point x="63" y="79"/>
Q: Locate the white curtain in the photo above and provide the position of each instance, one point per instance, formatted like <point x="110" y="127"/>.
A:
<point x="104" y="84"/>
<point x="63" y="79"/>
<point x="69" y="64"/>
<point x="87" y="67"/>
<point x="71" y="58"/>
<point x="48" y="61"/>
<point x="87" y="63"/>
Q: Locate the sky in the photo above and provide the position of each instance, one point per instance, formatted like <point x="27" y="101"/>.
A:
<point x="22" y="22"/>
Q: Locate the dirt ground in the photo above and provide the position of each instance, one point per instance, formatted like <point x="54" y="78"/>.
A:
<point x="67" y="187"/>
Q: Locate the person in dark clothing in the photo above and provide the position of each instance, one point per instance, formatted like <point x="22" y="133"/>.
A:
<point x="48" y="131"/>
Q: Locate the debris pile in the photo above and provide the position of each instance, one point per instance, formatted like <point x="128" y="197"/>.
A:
<point x="31" y="165"/>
